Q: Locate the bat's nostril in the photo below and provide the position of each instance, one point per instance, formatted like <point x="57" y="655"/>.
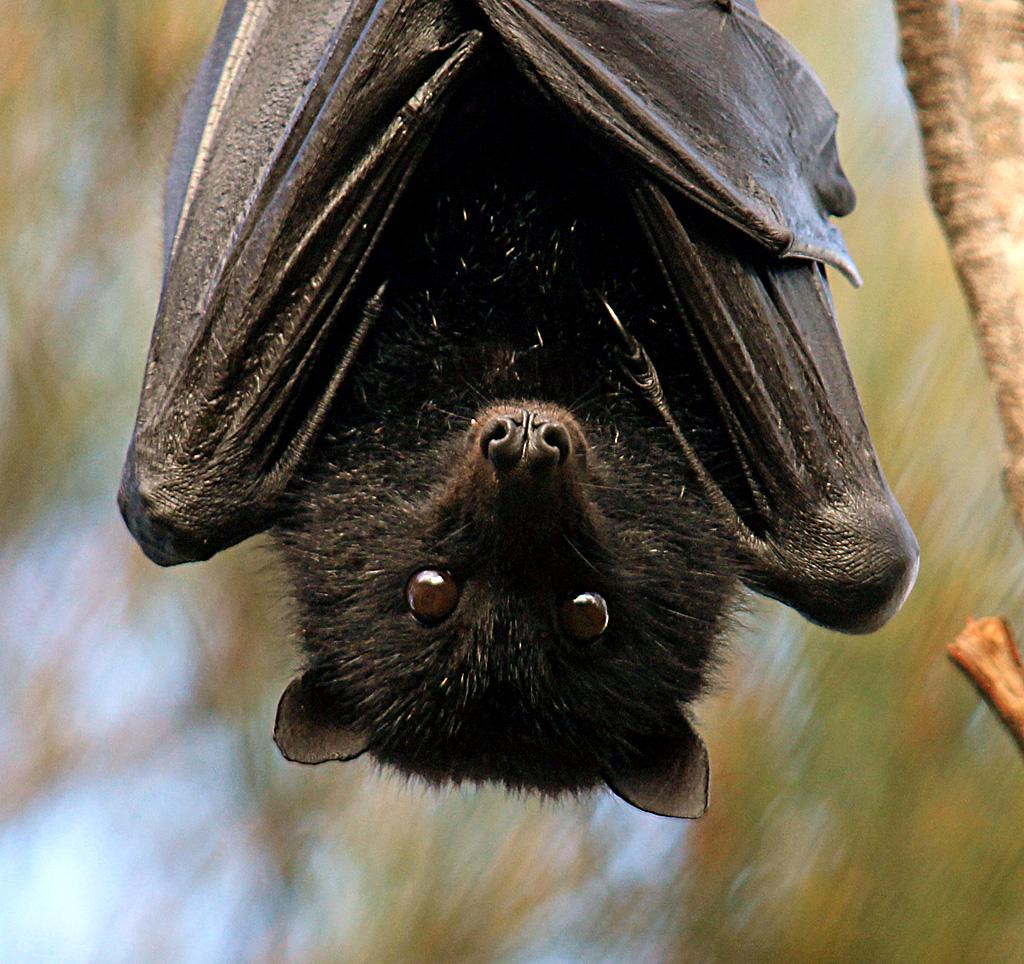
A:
<point x="554" y="436"/>
<point x="501" y="443"/>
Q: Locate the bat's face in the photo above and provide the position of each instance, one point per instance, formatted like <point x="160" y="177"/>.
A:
<point x="537" y="607"/>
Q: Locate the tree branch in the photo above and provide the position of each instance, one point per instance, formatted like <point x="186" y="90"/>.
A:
<point x="988" y="655"/>
<point x="967" y="82"/>
<point x="964" y="61"/>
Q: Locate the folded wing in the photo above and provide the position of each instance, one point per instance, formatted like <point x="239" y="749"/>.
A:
<point x="800" y="485"/>
<point x="313" y="119"/>
<point x="705" y="96"/>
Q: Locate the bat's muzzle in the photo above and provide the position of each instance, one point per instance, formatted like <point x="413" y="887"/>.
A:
<point x="525" y="440"/>
<point x="524" y="474"/>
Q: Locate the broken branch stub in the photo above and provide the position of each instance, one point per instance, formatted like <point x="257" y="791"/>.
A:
<point x="989" y="657"/>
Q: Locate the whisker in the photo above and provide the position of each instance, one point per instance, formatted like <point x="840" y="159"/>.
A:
<point x="476" y="391"/>
<point x="675" y="612"/>
<point x="445" y="411"/>
<point x="453" y="534"/>
<point x="574" y="406"/>
<point x="576" y="549"/>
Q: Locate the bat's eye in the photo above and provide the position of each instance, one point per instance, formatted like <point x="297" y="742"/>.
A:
<point x="432" y="596"/>
<point x="584" y="617"/>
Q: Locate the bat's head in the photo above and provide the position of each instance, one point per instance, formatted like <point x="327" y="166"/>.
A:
<point x="529" y="600"/>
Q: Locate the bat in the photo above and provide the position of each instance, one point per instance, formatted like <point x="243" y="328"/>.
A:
<point x="508" y="320"/>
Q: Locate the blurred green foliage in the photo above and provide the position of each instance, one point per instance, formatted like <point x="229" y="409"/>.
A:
<point x="865" y="806"/>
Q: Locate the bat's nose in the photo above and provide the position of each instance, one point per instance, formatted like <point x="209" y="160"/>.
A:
<point x="526" y="440"/>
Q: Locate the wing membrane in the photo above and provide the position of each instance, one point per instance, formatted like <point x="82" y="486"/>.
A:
<point x="821" y="528"/>
<point x="234" y="392"/>
<point x="707" y="98"/>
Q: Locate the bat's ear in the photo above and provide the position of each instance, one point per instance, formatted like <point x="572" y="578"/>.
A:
<point x="671" y="782"/>
<point x="304" y="731"/>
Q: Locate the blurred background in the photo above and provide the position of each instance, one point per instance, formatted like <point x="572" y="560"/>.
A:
<point x="865" y="805"/>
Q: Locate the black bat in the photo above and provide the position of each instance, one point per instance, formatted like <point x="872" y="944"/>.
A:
<point x="509" y="320"/>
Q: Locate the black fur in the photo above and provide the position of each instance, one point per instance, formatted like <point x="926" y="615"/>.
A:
<point x="495" y="288"/>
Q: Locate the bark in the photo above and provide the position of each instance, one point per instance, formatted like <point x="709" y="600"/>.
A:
<point x="988" y="655"/>
<point x="966" y="75"/>
<point x="964" y="63"/>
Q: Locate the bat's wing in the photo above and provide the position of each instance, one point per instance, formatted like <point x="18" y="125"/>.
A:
<point x="704" y="95"/>
<point x="711" y="106"/>
<point x="800" y="483"/>
<point x="304" y="125"/>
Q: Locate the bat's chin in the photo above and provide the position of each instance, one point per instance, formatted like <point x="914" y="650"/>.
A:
<point x="523" y="477"/>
